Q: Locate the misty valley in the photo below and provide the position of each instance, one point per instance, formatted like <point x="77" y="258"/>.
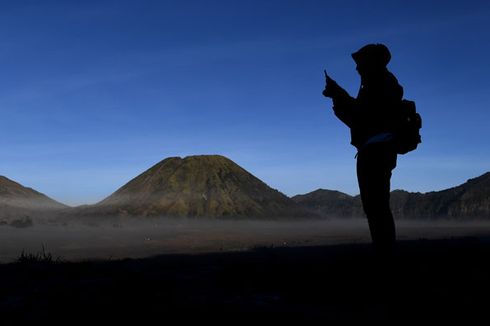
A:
<point x="105" y="240"/>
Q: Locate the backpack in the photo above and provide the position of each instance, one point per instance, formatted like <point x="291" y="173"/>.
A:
<point x="407" y="134"/>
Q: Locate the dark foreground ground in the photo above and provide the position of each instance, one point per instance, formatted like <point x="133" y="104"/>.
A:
<point x="424" y="280"/>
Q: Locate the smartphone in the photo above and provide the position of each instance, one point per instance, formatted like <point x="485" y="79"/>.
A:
<point x="326" y="75"/>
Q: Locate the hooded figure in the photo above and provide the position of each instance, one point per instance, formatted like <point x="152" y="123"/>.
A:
<point x="374" y="111"/>
<point x="371" y="117"/>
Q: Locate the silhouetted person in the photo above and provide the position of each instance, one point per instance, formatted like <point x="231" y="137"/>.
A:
<point x="371" y="118"/>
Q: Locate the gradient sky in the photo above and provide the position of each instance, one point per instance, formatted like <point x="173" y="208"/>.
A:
<point x="92" y="93"/>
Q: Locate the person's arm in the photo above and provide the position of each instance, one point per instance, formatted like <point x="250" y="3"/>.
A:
<point x="343" y="103"/>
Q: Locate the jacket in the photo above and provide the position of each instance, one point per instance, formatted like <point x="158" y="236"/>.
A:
<point x="374" y="111"/>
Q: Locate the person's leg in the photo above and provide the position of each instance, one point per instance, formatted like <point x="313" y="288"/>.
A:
<point x="374" y="166"/>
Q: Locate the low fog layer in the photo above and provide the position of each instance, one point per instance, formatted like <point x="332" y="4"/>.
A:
<point x="141" y="238"/>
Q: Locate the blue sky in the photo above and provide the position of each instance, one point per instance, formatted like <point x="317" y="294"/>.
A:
<point x="92" y="93"/>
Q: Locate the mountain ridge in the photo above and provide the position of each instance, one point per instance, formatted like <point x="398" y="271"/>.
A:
<point x="215" y="186"/>
<point x="469" y="200"/>
<point x="18" y="201"/>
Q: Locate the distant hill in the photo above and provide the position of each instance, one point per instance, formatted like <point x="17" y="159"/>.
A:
<point x="196" y="186"/>
<point x="19" y="203"/>
<point x="467" y="201"/>
<point x="330" y="203"/>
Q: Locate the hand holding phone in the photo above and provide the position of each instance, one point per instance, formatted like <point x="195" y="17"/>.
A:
<point x="327" y="92"/>
<point x="327" y="77"/>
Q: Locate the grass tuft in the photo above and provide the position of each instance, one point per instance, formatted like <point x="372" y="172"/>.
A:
<point x="42" y="256"/>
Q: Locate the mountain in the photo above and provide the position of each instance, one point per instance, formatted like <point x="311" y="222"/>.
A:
<point x="196" y="186"/>
<point x="215" y="186"/>
<point x="21" y="203"/>
<point x="330" y="203"/>
<point x="466" y="201"/>
<point x="469" y="200"/>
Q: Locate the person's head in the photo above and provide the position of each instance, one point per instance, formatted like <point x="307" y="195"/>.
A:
<point x="371" y="59"/>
